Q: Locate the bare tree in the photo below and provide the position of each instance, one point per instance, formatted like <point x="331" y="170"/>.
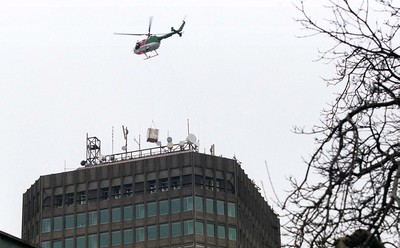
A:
<point x="351" y="181"/>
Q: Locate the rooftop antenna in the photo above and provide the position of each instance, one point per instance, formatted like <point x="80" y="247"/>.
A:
<point x="188" y="125"/>
<point x="137" y="142"/>
<point x="112" y="140"/>
<point x="125" y="131"/>
<point x="93" y="150"/>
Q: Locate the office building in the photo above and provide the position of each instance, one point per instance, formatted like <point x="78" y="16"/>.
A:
<point x="172" y="196"/>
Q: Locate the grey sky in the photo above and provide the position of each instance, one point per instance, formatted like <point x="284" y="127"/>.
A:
<point x="238" y="73"/>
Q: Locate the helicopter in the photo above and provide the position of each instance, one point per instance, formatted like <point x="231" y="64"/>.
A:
<point x="152" y="42"/>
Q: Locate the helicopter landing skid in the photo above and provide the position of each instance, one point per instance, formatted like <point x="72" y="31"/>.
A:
<point x="150" y="56"/>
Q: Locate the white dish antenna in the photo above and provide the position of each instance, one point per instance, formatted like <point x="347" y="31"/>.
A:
<point x="170" y="145"/>
<point x="191" y="139"/>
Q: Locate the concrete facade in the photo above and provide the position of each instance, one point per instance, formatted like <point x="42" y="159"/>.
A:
<point x="178" y="199"/>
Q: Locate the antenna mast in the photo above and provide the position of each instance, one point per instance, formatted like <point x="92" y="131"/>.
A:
<point x="125" y="131"/>
<point x="112" y="140"/>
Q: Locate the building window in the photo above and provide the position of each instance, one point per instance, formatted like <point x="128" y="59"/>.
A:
<point x="69" y="221"/>
<point x="151" y="186"/>
<point x="116" y="214"/>
<point x="116" y="238"/>
<point x="127" y="212"/>
<point x="69" y="243"/>
<point x="57" y="223"/>
<point x="69" y="199"/>
<point x="220" y="208"/>
<point x="163" y="230"/>
<point x="199" y="206"/>
<point x="58" y="201"/>
<point x="139" y="188"/>
<point x="232" y="233"/>
<point x="104" y="239"/>
<point x="163" y="207"/>
<point x="128" y="190"/>
<point x="176" y="183"/>
<point x="139" y="234"/>
<point x="92" y="195"/>
<point x="92" y="218"/>
<point x="210" y="206"/>
<point x="47" y="202"/>
<point x="230" y="187"/>
<point x="220" y="185"/>
<point x="176" y="229"/>
<point x="139" y="211"/>
<point x="231" y="209"/>
<point x="199" y="227"/>
<point x="187" y="227"/>
<point x="81" y="198"/>
<point x="175" y="205"/>
<point x="57" y="243"/>
<point x="116" y="192"/>
<point x="210" y="183"/>
<point x="210" y="229"/>
<point x="45" y="244"/>
<point x="81" y="220"/>
<point x="104" y="194"/>
<point x="46" y="225"/>
<point x="80" y="241"/>
<point x="104" y="216"/>
<point x="152" y="232"/>
<point x="187" y="203"/>
<point x="221" y="231"/>
<point x="128" y="236"/>
<point x="164" y="184"/>
<point x="186" y="180"/>
<point x="151" y="209"/>
<point x="198" y="181"/>
<point x="92" y="241"/>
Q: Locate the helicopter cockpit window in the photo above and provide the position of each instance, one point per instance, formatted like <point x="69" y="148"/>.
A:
<point x="137" y="45"/>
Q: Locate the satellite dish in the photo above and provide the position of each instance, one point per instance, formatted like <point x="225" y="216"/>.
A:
<point x="191" y="139"/>
<point x="123" y="148"/>
<point x="170" y="145"/>
<point x="169" y="140"/>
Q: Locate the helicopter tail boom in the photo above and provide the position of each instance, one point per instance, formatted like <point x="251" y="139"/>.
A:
<point x="173" y="31"/>
<point x="179" y="31"/>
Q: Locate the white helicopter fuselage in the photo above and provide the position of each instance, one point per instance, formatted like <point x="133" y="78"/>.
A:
<point x="147" y="48"/>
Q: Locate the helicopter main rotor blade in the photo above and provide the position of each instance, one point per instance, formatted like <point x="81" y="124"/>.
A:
<point x="130" y="34"/>
<point x="150" y="22"/>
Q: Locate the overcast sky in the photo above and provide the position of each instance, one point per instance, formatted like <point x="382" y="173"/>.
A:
<point x="239" y="74"/>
